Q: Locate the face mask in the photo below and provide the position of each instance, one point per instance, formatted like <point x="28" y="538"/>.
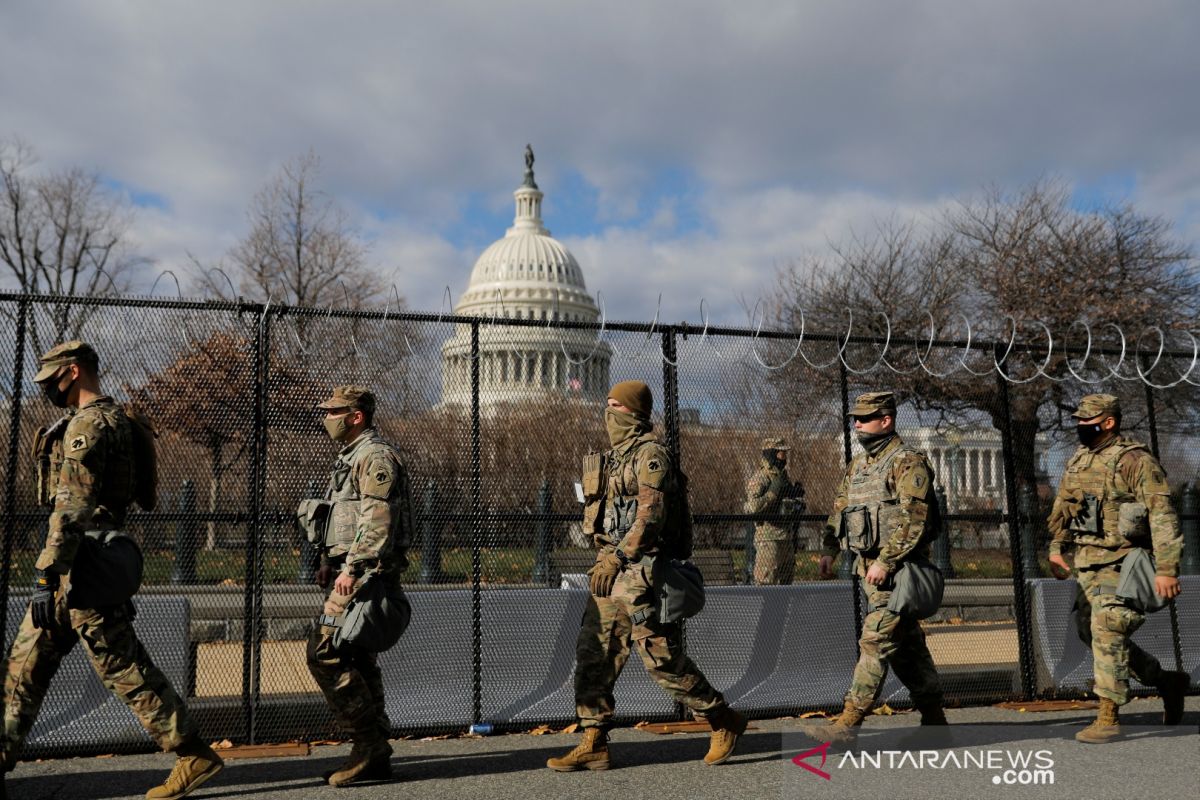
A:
<point x="621" y="425"/>
<point x="874" y="442"/>
<point x="775" y="460"/>
<point x="56" y="395"/>
<point x="337" y="427"/>
<point x="1089" y="434"/>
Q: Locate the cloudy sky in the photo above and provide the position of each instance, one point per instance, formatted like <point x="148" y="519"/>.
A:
<point x="687" y="149"/>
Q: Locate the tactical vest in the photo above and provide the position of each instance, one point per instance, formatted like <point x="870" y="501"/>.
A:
<point x="345" y="495"/>
<point x="115" y="483"/>
<point x="620" y="501"/>
<point x="871" y="507"/>
<point x="1100" y="520"/>
<point x="779" y="485"/>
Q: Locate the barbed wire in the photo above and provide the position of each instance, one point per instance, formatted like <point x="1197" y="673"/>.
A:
<point x="1070" y="355"/>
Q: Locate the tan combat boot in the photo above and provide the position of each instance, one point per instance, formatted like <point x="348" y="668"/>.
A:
<point x="727" y="725"/>
<point x="590" y="753"/>
<point x="1106" y="727"/>
<point x="1173" y="687"/>
<point x="370" y="760"/>
<point x="841" y="731"/>
<point x="195" y="763"/>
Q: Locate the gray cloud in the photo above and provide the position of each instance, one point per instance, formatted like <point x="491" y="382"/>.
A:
<point x="795" y="118"/>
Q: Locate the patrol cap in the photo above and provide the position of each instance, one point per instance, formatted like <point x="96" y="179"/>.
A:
<point x="1095" y="405"/>
<point x="635" y="396"/>
<point x="351" y="396"/>
<point x="777" y="443"/>
<point x="72" y="352"/>
<point x="872" y="403"/>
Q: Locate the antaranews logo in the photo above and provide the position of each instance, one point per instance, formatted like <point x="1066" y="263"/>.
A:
<point x="1008" y="767"/>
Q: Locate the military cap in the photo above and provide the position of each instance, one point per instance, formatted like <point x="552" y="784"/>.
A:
<point x="635" y="396"/>
<point x="1095" y="405"/>
<point x="72" y="352"/>
<point x="872" y="403"/>
<point x="777" y="443"/>
<point x="351" y="396"/>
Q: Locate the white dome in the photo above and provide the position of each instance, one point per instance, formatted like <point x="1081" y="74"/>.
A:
<point x="527" y="275"/>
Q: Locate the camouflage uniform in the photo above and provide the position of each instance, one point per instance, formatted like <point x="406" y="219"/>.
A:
<point x="770" y="491"/>
<point x="638" y="484"/>
<point x="889" y="495"/>
<point x="368" y="528"/>
<point x="91" y="486"/>
<point x="1097" y="483"/>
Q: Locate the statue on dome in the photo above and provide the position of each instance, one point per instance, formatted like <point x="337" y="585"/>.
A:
<point x="529" y="156"/>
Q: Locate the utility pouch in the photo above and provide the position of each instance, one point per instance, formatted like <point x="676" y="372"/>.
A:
<point x="1134" y="522"/>
<point x="313" y="518"/>
<point x="1087" y="518"/>
<point x="1136" y="586"/>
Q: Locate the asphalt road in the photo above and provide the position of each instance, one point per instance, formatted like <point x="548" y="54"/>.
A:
<point x="1151" y="763"/>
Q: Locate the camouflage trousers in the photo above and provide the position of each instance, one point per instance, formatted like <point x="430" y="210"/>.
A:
<point x="1105" y="624"/>
<point x="605" y="636"/>
<point x="120" y="660"/>
<point x="896" y="641"/>
<point x="774" y="561"/>
<point x="349" y="678"/>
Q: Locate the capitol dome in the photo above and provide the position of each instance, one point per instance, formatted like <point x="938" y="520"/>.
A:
<point x="526" y="275"/>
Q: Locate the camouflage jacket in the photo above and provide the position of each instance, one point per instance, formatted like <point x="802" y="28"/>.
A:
<point x="908" y="484"/>
<point x="95" y="483"/>
<point x="371" y="517"/>
<point x="765" y="492"/>
<point x="1111" y="499"/>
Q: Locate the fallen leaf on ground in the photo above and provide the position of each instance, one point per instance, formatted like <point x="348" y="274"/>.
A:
<point x="885" y="711"/>
<point x="811" y="714"/>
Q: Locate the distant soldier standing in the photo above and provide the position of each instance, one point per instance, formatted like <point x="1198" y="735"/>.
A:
<point x="1114" y="498"/>
<point x="771" y="491"/>
<point x="367" y="531"/>
<point x="883" y="514"/>
<point x="629" y="494"/>
<point x="92" y="480"/>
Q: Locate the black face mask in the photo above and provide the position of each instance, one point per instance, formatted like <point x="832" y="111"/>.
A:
<point x="55" y="395"/>
<point x="1089" y="434"/>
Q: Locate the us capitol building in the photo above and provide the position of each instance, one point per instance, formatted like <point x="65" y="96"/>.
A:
<point x="526" y="275"/>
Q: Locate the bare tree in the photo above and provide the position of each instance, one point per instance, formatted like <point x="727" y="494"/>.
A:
<point x="301" y="249"/>
<point x="997" y="262"/>
<point x="61" y="233"/>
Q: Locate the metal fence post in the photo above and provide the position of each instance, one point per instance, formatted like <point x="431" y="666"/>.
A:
<point x="10" y="482"/>
<point x="541" y="552"/>
<point x="476" y="538"/>
<point x="1012" y="517"/>
<point x="941" y="546"/>
<point x="187" y="536"/>
<point x="1026" y="504"/>
<point x="1152" y="423"/>
<point x="252" y="633"/>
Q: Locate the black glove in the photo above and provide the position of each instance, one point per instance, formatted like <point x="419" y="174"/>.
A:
<point x="325" y="575"/>
<point x="604" y="574"/>
<point x="41" y="608"/>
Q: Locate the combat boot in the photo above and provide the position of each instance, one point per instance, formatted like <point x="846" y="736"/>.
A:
<point x="842" y="730"/>
<point x="370" y="760"/>
<point x="195" y="763"/>
<point x="933" y="715"/>
<point x="727" y="725"/>
<point x="1173" y="687"/>
<point x="590" y="753"/>
<point x="1106" y="727"/>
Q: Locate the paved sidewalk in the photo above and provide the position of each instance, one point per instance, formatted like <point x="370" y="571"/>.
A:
<point x="645" y="766"/>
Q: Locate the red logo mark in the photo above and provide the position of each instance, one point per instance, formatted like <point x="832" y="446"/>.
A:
<point x="823" y="749"/>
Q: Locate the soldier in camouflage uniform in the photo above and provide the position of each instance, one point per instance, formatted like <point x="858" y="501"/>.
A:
<point x="1114" y="498"/>
<point x="367" y="530"/>
<point x="91" y="484"/>
<point x="883" y="514"/>
<point x="629" y="493"/>
<point x="771" y="491"/>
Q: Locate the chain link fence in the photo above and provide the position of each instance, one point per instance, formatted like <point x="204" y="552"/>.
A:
<point x="493" y="417"/>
